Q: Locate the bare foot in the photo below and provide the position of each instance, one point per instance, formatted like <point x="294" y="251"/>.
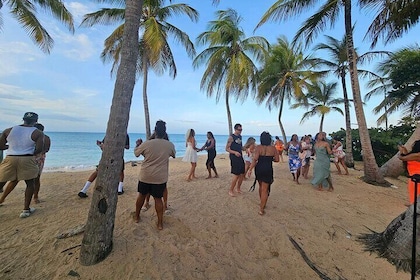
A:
<point x="319" y="189"/>
<point x="239" y="191"/>
<point x="189" y="179"/>
<point x="136" y="218"/>
<point x="261" y="212"/>
<point x="36" y="200"/>
<point x="330" y="189"/>
<point x="216" y="176"/>
<point x="208" y="177"/>
<point x="159" y="226"/>
<point x="231" y="194"/>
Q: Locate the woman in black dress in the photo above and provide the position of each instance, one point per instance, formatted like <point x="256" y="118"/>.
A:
<point x="210" y="147"/>
<point x="264" y="156"/>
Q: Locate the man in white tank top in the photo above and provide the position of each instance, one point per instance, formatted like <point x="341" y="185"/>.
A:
<point x="22" y="143"/>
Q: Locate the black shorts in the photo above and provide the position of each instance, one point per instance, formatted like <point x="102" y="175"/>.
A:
<point x="237" y="165"/>
<point x="155" y="190"/>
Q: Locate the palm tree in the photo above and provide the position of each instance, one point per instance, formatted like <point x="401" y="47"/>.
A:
<point x="393" y="18"/>
<point x="25" y="13"/>
<point x="154" y="50"/>
<point x="329" y="12"/>
<point x="229" y="68"/>
<point x="338" y="65"/>
<point x="320" y="101"/>
<point x="97" y="239"/>
<point x="283" y="77"/>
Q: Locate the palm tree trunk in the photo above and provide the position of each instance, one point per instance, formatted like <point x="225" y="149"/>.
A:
<point x="394" y="167"/>
<point x="283" y="132"/>
<point x="371" y="169"/>
<point x="321" y="124"/>
<point x="349" y="143"/>
<point x="97" y="239"/>
<point x="145" y="102"/>
<point x="229" y="116"/>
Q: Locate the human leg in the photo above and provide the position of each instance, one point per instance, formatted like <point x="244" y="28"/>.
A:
<point x="159" y="212"/>
<point x="165" y="199"/>
<point x="330" y="188"/>
<point x="233" y="184"/>
<point x="263" y="197"/>
<point x="239" y="183"/>
<point x="85" y="188"/>
<point x="29" y="192"/>
<point x="208" y="170"/>
<point x="139" y="203"/>
<point x="146" y="204"/>
<point x="343" y="163"/>
<point x="193" y="166"/>
<point x="9" y="188"/>
<point x="37" y="186"/>
<point x="121" y="183"/>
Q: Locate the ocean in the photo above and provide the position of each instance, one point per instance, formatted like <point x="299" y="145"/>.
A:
<point x="75" y="151"/>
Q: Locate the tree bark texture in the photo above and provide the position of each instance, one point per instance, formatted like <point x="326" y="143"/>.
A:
<point x="349" y="143"/>
<point x="229" y="116"/>
<point x="371" y="169"/>
<point x="394" y="167"/>
<point x="97" y="240"/>
<point x="145" y="101"/>
<point x="395" y="243"/>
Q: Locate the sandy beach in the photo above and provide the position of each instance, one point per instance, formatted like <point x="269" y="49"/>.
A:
<point x="208" y="234"/>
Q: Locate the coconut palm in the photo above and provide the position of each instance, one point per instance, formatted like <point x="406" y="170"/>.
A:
<point x="283" y="77"/>
<point x="230" y="70"/>
<point x="25" y="13"/>
<point x="154" y="49"/>
<point x="319" y="101"/>
<point x="329" y="13"/>
<point x="338" y="65"/>
<point x="97" y="239"/>
<point x="392" y="20"/>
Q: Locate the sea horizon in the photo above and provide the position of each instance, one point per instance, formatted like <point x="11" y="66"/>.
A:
<point x="77" y="151"/>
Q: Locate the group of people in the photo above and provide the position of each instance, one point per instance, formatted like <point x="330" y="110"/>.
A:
<point x="300" y="153"/>
<point x="26" y="146"/>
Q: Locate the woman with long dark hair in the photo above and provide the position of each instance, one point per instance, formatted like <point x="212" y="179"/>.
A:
<point x="264" y="155"/>
<point x="210" y="147"/>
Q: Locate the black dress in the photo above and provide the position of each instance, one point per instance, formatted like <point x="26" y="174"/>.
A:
<point x="264" y="169"/>
<point x="211" y="153"/>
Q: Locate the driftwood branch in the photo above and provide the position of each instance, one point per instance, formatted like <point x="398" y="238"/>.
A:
<point x="307" y="260"/>
<point x="71" y="232"/>
<point x="68" y="249"/>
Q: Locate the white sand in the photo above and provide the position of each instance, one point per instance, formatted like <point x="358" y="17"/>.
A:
<point x="208" y="235"/>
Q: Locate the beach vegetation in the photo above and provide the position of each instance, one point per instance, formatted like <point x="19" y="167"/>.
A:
<point x="329" y="12"/>
<point x="337" y="64"/>
<point x="319" y="101"/>
<point x="25" y="12"/>
<point x="154" y="49"/>
<point x="283" y="76"/>
<point x="230" y="58"/>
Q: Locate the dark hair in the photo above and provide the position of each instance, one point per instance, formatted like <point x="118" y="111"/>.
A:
<point x="336" y="138"/>
<point x="237" y="126"/>
<point x="291" y="138"/>
<point x="415" y="147"/>
<point x="211" y="134"/>
<point x="277" y="138"/>
<point x="265" y="138"/>
<point x="39" y="126"/>
<point x="160" y="129"/>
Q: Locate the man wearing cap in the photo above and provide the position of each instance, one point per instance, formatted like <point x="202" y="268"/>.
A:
<point x="22" y="143"/>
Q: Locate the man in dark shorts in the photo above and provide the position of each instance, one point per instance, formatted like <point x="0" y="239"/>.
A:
<point x="234" y="148"/>
<point x="23" y="143"/>
<point x="154" y="169"/>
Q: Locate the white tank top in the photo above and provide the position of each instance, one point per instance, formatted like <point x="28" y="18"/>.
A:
<point x="20" y="141"/>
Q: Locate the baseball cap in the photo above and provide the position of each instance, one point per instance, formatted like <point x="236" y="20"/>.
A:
<point x="30" y="116"/>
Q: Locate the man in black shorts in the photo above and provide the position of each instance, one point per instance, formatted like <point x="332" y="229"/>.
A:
<point x="234" y="148"/>
<point x="154" y="169"/>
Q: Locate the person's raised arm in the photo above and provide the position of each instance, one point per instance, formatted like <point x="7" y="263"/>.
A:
<point x="3" y="140"/>
<point x="137" y="149"/>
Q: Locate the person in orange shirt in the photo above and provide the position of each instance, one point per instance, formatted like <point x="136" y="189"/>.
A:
<point x="279" y="147"/>
<point x="412" y="163"/>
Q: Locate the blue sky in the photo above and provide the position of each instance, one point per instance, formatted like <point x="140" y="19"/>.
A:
<point x="71" y="89"/>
